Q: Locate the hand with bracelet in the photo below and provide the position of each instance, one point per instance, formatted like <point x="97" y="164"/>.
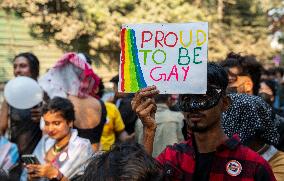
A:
<point x="47" y="171"/>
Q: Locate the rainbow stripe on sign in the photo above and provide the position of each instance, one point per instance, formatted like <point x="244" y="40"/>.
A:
<point x="130" y="70"/>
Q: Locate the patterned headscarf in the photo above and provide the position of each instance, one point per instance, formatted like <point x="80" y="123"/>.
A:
<point x="71" y="75"/>
<point x="248" y="116"/>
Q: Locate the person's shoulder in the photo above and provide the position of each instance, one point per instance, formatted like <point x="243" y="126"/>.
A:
<point x="249" y="155"/>
<point x="179" y="116"/>
<point x="183" y="147"/>
<point x="89" y="100"/>
<point x="80" y="148"/>
<point x="110" y="105"/>
<point x="112" y="111"/>
<point x="5" y="142"/>
<point x="82" y="145"/>
<point x="169" y="116"/>
<point x="80" y="142"/>
<point x="177" y="153"/>
<point x="252" y="164"/>
<point x="250" y="102"/>
<point x="178" y="113"/>
<point x="245" y="98"/>
<point x="278" y="157"/>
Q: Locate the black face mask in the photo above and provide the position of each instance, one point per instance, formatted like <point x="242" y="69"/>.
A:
<point x="197" y="102"/>
<point x="266" y="97"/>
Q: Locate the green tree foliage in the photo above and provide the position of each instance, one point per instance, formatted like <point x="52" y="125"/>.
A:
<point x="276" y="20"/>
<point x="93" y="26"/>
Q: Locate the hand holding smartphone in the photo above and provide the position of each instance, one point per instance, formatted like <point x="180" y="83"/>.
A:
<point x="30" y="159"/>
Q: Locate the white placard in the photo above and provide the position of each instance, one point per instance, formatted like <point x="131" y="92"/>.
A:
<point x="171" y="56"/>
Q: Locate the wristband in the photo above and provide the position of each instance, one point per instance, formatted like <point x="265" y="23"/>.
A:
<point x="58" y="177"/>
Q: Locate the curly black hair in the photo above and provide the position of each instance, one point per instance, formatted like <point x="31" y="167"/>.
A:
<point x="124" y="162"/>
<point x="248" y="65"/>
<point x="62" y="105"/>
<point x="217" y="76"/>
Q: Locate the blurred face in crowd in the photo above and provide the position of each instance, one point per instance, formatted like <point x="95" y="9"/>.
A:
<point x="233" y="72"/>
<point x="55" y="125"/>
<point x="243" y="84"/>
<point x="22" y="67"/>
<point x="266" y="93"/>
<point x="278" y="76"/>
<point x="172" y="100"/>
<point x="238" y="83"/>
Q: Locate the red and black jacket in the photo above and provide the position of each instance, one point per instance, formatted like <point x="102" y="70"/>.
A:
<point x="232" y="162"/>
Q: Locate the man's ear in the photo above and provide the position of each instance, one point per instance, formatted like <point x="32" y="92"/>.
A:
<point x="226" y="103"/>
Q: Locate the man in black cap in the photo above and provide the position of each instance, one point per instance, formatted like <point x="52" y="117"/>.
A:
<point x="208" y="154"/>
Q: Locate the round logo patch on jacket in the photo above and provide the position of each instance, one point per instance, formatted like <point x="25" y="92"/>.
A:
<point x="233" y="168"/>
<point x="63" y="156"/>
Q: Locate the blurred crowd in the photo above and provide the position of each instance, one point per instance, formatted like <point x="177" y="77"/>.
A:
<point x="81" y="132"/>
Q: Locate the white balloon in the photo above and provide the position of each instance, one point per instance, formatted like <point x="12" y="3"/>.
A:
<point x="23" y="93"/>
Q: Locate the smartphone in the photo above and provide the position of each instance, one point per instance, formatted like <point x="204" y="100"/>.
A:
<point x="30" y="159"/>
